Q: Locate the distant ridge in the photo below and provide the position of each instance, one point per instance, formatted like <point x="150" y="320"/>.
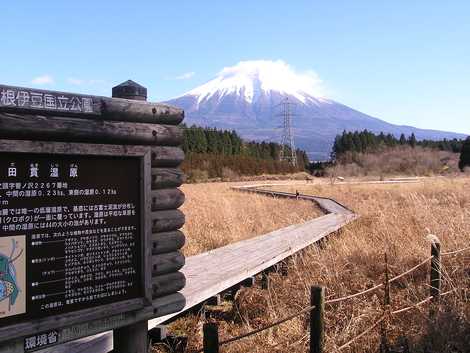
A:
<point x="243" y="98"/>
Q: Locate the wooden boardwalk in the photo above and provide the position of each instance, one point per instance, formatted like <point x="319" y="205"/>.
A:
<point x="214" y="271"/>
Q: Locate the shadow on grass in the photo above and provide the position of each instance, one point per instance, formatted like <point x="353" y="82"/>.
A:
<point x="449" y="332"/>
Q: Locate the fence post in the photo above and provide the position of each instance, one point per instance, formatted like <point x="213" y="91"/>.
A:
<point x="384" y="347"/>
<point x="211" y="337"/>
<point x="131" y="339"/>
<point x="264" y="280"/>
<point x="435" y="276"/>
<point x="435" y="270"/>
<point x="317" y="323"/>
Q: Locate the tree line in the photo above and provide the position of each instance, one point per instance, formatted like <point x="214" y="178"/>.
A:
<point x="220" y="152"/>
<point x="367" y="142"/>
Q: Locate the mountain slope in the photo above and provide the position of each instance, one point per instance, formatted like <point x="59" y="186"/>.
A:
<point x="246" y="98"/>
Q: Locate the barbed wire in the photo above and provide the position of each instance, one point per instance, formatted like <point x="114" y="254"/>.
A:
<point x="383" y="317"/>
<point x="276" y="323"/>
<point x="337" y="300"/>
<point x="455" y="251"/>
<point x="307" y="309"/>
<point x="370" y="328"/>
<point x="414" y="306"/>
<point x="264" y="328"/>
<point x="393" y="279"/>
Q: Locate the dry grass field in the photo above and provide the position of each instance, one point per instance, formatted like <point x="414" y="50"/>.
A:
<point x="402" y="160"/>
<point x="217" y="216"/>
<point x="395" y="219"/>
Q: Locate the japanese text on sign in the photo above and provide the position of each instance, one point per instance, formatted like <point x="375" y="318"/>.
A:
<point x="23" y="98"/>
<point x="70" y="233"/>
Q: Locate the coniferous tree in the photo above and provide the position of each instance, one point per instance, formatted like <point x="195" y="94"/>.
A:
<point x="367" y="142"/>
<point x="226" y="143"/>
<point x="382" y="138"/>
<point x="465" y="155"/>
<point x="390" y="140"/>
<point x="236" y="143"/>
<point x="402" y="139"/>
<point x="212" y="143"/>
<point x="213" y="151"/>
<point x="412" y="140"/>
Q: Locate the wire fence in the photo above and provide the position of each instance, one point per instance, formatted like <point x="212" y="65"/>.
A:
<point x="383" y="317"/>
<point x="212" y="343"/>
<point x="455" y="251"/>
<point x="372" y="289"/>
<point x="363" y="333"/>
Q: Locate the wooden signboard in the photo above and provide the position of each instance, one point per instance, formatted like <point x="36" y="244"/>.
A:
<point x="88" y="231"/>
<point x="71" y="230"/>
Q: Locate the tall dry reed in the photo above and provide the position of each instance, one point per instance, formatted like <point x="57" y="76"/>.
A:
<point x="217" y="216"/>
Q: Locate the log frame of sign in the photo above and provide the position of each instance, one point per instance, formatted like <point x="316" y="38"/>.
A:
<point x="73" y="129"/>
<point x="99" y="108"/>
<point x="92" y="125"/>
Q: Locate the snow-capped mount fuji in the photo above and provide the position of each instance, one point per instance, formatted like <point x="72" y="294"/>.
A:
<point x="252" y="80"/>
<point x="246" y="98"/>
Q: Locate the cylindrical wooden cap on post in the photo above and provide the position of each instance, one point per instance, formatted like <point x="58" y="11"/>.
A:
<point x="130" y="90"/>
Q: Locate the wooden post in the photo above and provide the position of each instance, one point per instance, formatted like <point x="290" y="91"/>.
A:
<point x="215" y="300"/>
<point x="132" y="338"/>
<point x="435" y="276"/>
<point x="435" y="270"/>
<point x="248" y="282"/>
<point x="317" y="323"/>
<point x="158" y="333"/>
<point x="211" y="337"/>
<point x="264" y="280"/>
<point x="284" y="268"/>
<point x="387" y="300"/>
<point x="384" y="346"/>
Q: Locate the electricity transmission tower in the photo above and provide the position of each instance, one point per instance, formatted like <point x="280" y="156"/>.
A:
<point x="287" y="153"/>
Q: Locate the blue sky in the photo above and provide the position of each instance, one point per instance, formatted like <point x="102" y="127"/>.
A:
<point x="407" y="62"/>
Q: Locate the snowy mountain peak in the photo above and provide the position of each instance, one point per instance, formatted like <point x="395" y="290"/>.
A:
<point x="245" y="98"/>
<point x="250" y="79"/>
